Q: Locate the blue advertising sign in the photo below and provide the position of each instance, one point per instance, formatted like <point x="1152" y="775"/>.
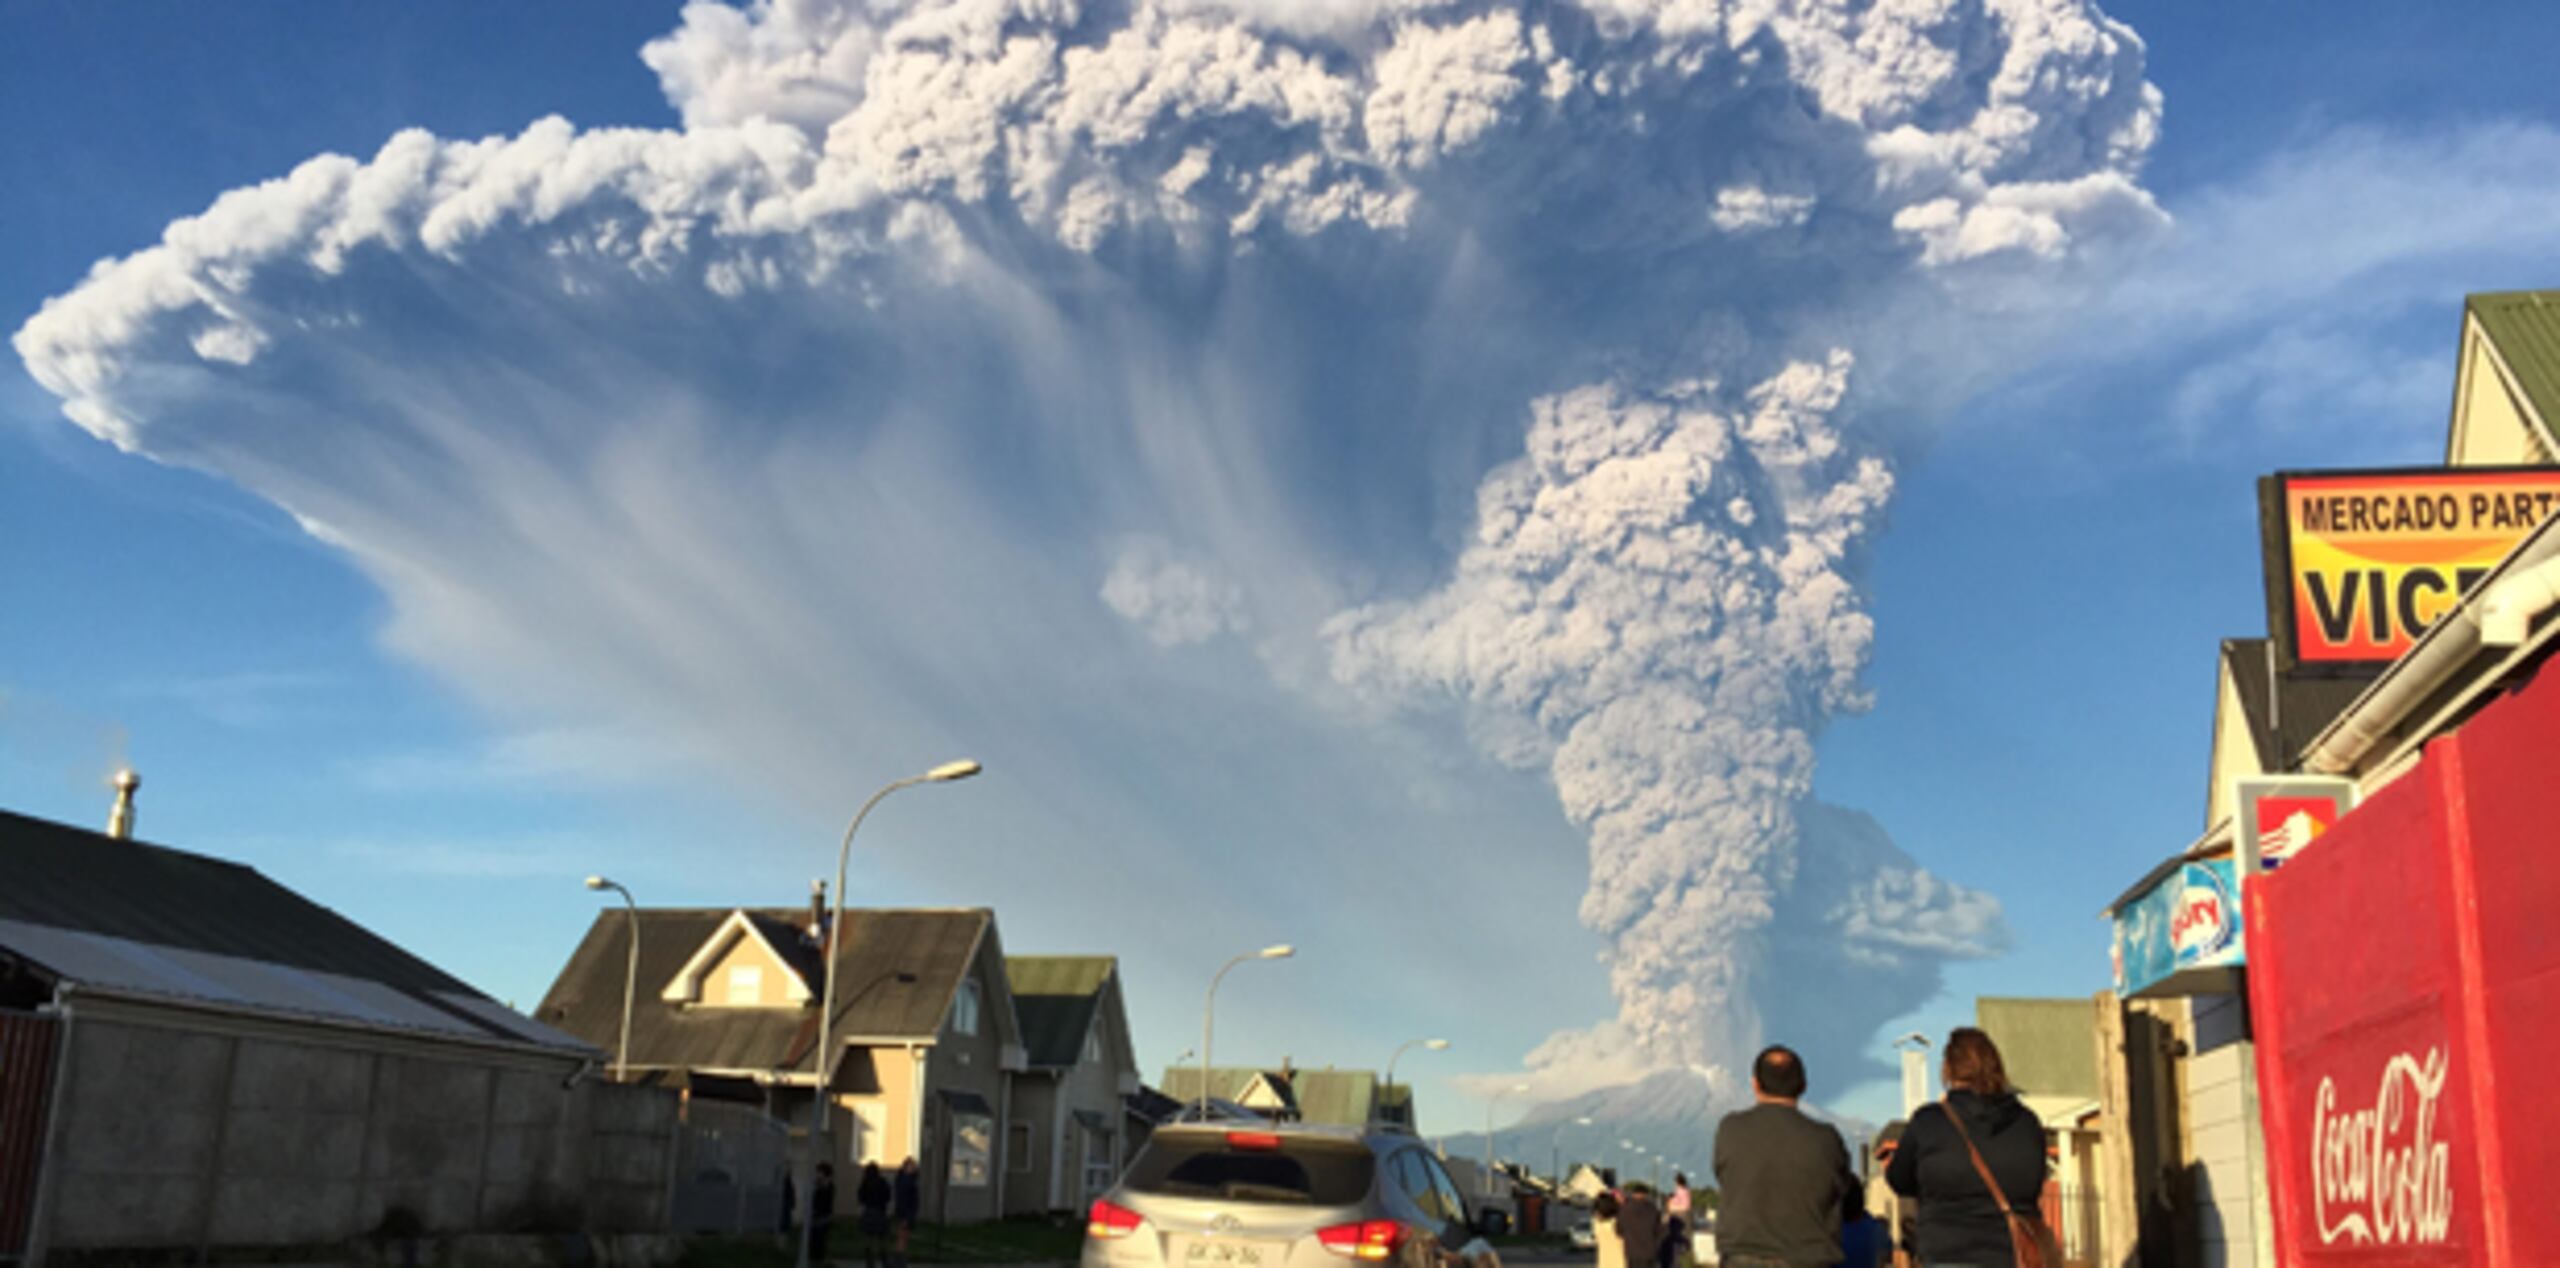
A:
<point x="2189" y="920"/>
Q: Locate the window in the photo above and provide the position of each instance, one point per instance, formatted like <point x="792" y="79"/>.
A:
<point x="746" y="984"/>
<point x="1302" y="1172"/>
<point x="1017" y="1148"/>
<point x="1097" y="1162"/>
<point x="1450" y="1199"/>
<point x="1093" y="1045"/>
<point x="972" y="1137"/>
<point x="964" y="1012"/>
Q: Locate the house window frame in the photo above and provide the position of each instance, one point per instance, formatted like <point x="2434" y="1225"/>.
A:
<point x="751" y="976"/>
<point x="972" y="1165"/>
<point x="1017" y="1147"/>
<point x="966" y="1004"/>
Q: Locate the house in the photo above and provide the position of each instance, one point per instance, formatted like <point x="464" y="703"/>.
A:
<point x="1066" y="1137"/>
<point x="1586" y="1182"/>
<point x="924" y="1035"/>
<point x="1269" y="1093"/>
<point x="1342" y="1098"/>
<point x="193" y="1056"/>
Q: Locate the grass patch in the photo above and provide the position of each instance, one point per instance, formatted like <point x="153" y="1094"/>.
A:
<point x="1029" y="1240"/>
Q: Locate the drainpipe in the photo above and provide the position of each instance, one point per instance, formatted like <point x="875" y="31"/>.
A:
<point x="2509" y="606"/>
<point x="2499" y="614"/>
<point x="49" y="1141"/>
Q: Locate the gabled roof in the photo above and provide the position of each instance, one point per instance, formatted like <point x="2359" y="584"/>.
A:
<point x="2045" y="1043"/>
<point x="1056" y="997"/>
<point x="109" y="915"/>
<point x="1345" y="1098"/>
<point x="784" y="942"/>
<point x="2286" y="710"/>
<point x="1228" y="1083"/>
<point x="2525" y="326"/>
<point x="899" y="971"/>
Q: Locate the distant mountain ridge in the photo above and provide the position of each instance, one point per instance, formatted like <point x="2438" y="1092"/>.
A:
<point x="1671" y="1113"/>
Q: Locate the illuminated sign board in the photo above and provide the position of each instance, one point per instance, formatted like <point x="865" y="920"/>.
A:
<point x="2360" y="563"/>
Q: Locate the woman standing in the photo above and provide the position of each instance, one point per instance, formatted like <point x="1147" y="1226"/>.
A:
<point x="1962" y="1222"/>
<point x="1604" y="1231"/>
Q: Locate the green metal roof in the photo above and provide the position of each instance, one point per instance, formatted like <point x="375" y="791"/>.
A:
<point x="2525" y="326"/>
<point x="2049" y="1045"/>
<point x="1340" y="1097"/>
<point x="1054" y="997"/>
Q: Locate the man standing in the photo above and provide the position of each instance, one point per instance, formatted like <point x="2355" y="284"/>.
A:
<point x="1784" y="1178"/>
<point x="1639" y="1226"/>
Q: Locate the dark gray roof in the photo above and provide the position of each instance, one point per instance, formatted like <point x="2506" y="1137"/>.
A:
<point x="1054" y="997"/>
<point x="899" y="970"/>
<point x="110" y="914"/>
<point x="2286" y="708"/>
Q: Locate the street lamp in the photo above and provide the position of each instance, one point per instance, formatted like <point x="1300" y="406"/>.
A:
<point x="1555" y="1148"/>
<point x="821" y="1056"/>
<point x="1209" y="1010"/>
<point x="1489" y="1103"/>
<point x="630" y="976"/>
<point x="1432" y="1045"/>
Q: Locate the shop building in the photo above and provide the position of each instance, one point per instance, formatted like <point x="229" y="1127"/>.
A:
<point x="2403" y="609"/>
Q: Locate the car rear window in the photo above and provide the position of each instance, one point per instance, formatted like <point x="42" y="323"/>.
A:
<point x="1300" y="1172"/>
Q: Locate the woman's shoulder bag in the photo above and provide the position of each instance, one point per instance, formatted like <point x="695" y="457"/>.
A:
<point x="2029" y="1237"/>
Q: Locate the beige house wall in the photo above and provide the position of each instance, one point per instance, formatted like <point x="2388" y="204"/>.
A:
<point x="2235" y="751"/>
<point x="770" y="980"/>
<point x="2491" y="425"/>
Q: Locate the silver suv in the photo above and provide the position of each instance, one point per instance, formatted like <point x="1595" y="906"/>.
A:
<point x="1229" y="1195"/>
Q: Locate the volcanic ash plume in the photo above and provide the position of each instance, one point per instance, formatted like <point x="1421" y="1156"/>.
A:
<point x="1158" y="326"/>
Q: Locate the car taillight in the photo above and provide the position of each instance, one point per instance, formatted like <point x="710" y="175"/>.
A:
<point x="1110" y="1220"/>
<point x="1369" y="1239"/>
<point x="1258" y="1142"/>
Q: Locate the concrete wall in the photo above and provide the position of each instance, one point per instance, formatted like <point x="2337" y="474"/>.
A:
<point x="2225" y="1142"/>
<point x="184" y="1129"/>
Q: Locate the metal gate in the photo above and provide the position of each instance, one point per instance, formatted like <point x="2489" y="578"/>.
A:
<point x="27" y="1046"/>
<point x="730" y="1169"/>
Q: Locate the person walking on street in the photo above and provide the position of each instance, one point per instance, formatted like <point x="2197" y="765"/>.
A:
<point x="1963" y="1223"/>
<point x="1639" y="1226"/>
<point x="1604" y="1232"/>
<point x="1783" y="1178"/>
<point x="871" y="1204"/>
<point x="822" y="1212"/>
<point x="906" y="1203"/>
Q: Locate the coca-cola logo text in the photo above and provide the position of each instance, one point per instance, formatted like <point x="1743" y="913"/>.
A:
<point x="2379" y="1175"/>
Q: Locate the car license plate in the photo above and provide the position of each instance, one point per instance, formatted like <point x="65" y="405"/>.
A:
<point x="1230" y="1254"/>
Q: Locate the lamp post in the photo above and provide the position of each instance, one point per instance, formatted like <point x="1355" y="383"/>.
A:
<point x="1555" y="1148"/>
<point x="1430" y="1045"/>
<point x="821" y="1056"/>
<point x="1209" y="1010"/>
<point x="1489" y="1103"/>
<point x="630" y="976"/>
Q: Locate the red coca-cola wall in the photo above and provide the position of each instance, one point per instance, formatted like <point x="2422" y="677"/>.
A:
<point x="2404" y="987"/>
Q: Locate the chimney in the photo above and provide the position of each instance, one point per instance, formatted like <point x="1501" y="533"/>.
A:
<point x="818" y="912"/>
<point x="120" y="819"/>
<point x="1286" y="1070"/>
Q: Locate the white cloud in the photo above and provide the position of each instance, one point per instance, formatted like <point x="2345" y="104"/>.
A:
<point x="1175" y="601"/>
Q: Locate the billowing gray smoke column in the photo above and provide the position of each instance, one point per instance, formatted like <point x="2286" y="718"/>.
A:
<point x="1251" y="308"/>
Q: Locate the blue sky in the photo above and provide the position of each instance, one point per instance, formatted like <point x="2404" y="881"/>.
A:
<point x="2060" y="557"/>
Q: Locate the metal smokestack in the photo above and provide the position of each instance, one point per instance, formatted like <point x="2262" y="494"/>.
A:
<point x="120" y="819"/>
